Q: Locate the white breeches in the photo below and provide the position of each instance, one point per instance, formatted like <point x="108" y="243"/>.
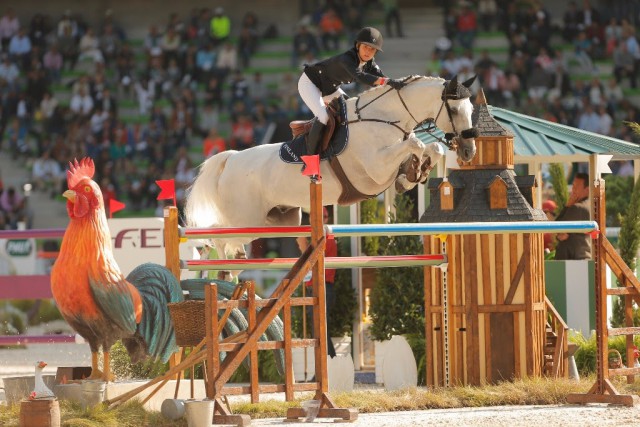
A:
<point x="312" y="96"/>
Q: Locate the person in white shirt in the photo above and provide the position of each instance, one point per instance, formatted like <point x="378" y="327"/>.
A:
<point x="47" y="174"/>
<point x="605" y="121"/>
<point x="9" y="26"/>
<point x="81" y="103"/>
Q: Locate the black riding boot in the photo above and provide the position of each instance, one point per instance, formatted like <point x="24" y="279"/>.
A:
<point x="314" y="138"/>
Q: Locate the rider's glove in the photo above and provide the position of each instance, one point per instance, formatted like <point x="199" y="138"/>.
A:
<point x="396" y="84"/>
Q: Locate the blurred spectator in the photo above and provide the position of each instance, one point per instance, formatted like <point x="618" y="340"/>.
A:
<point x="9" y="72"/>
<point x="239" y="88"/>
<point x="392" y="14"/>
<point x="466" y="26"/>
<point x="89" y="47"/>
<point x="227" y="60"/>
<point x="213" y="93"/>
<point x="303" y="43"/>
<point x="184" y="173"/>
<point x="606" y="121"/>
<point x="9" y="26"/>
<point x="170" y="45"/>
<point x="15" y="207"/>
<point x="205" y="62"/>
<point x="258" y="90"/>
<point x="107" y="102"/>
<point x="589" y="119"/>
<point x="153" y="40"/>
<point x="220" y="27"/>
<point x="38" y="30"/>
<point x="20" y="47"/>
<point x="612" y="35"/>
<point x="242" y="136"/>
<point x="510" y="87"/>
<point x="181" y="123"/>
<point x="109" y="44"/>
<point x="17" y="136"/>
<point x="67" y="25"/>
<point x="47" y="175"/>
<point x="68" y="47"/>
<point x="37" y="85"/>
<point x="146" y="92"/>
<point x="248" y="38"/>
<point x="52" y="62"/>
<point x="125" y="66"/>
<point x="331" y="29"/>
<point x="571" y="21"/>
<point x="583" y="49"/>
<point x="629" y="38"/>
<point x="81" y="103"/>
<point x="213" y="144"/>
<point x="209" y="118"/>
<point x="488" y="10"/>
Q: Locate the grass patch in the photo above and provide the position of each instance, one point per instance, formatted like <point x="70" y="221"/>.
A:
<point x="537" y="391"/>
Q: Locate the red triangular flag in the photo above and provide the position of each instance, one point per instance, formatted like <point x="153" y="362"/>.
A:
<point x="312" y="165"/>
<point x="167" y="188"/>
<point x="115" y="206"/>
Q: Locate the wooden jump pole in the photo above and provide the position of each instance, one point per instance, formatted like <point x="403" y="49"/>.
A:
<point x="602" y="391"/>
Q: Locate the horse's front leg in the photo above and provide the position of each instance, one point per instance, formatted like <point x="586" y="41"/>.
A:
<point x="432" y="154"/>
<point x="393" y="156"/>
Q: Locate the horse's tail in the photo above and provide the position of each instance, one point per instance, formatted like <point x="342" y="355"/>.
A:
<point x="201" y="209"/>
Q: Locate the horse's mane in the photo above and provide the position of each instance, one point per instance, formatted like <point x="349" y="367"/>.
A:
<point x="412" y="78"/>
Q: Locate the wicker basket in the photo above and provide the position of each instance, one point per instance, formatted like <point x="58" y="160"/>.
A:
<point x="188" y="322"/>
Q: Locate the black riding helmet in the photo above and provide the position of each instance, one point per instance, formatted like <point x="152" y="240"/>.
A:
<point x="369" y="36"/>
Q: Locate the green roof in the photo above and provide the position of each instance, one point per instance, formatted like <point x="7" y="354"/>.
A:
<point x="534" y="137"/>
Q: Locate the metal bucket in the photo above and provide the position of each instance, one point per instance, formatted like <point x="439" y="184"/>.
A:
<point x="199" y="412"/>
<point x="93" y="393"/>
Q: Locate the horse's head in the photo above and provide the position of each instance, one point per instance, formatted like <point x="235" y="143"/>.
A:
<point x="456" y="123"/>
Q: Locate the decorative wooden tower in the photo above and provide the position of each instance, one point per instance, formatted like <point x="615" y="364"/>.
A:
<point x="485" y="315"/>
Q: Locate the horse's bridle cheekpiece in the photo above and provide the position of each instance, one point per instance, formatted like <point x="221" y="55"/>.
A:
<point x="452" y="91"/>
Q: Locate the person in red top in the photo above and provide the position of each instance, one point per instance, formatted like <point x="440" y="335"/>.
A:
<point x="213" y="144"/>
<point x="330" y="250"/>
<point x="467" y="26"/>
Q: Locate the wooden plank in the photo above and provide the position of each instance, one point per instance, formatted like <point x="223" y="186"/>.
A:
<point x="613" y="258"/>
<point x="171" y="241"/>
<point x="253" y="354"/>
<point x="501" y="308"/>
<point x="515" y="281"/>
<point x="624" y="331"/>
<point x="471" y="288"/>
<point x="288" y="354"/>
<point x="528" y="315"/>
<point x="487" y="261"/>
<point x="516" y="345"/>
<point x="502" y="343"/>
<point x="428" y="323"/>
<point x="499" y="269"/>
<point x="211" y="327"/>
<point x="617" y="399"/>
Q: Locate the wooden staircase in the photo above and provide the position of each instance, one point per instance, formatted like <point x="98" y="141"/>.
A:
<point x="556" y="361"/>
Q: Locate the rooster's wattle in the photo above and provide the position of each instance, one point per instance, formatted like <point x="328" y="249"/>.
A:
<point x="93" y="295"/>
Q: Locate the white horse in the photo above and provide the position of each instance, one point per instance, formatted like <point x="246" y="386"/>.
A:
<point x="255" y="188"/>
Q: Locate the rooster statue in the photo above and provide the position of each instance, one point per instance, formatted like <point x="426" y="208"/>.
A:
<point x="93" y="295"/>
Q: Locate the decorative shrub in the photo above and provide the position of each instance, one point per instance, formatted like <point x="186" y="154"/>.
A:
<point x="397" y="300"/>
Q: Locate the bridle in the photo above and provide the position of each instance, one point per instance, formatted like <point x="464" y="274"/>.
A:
<point x="427" y="125"/>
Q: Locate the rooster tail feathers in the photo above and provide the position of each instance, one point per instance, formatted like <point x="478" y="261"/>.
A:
<point x="157" y="287"/>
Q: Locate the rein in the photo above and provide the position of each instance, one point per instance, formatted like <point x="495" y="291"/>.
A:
<point x="431" y="122"/>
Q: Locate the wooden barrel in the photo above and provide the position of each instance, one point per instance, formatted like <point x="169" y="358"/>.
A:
<point x="41" y="413"/>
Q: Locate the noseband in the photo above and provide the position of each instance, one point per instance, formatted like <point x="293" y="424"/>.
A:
<point x="430" y="122"/>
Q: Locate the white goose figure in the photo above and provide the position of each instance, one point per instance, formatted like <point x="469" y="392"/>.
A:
<point x="40" y="390"/>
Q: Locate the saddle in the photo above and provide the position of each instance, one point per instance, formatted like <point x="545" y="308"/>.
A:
<point x="302" y="127"/>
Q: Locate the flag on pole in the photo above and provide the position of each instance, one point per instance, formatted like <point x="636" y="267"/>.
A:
<point x="312" y="165"/>
<point x="167" y="189"/>
<point x="115" y="206"/>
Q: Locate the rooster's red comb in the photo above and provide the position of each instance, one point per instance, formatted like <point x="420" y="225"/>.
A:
<point x="80" y="170"/>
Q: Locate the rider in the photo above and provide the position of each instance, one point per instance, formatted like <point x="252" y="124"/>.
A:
<point x="320" y="82"/>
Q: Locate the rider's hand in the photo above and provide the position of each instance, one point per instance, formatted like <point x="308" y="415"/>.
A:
<point x="396" y="84"/>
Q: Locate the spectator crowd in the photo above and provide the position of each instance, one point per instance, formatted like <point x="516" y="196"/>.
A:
<point x="141" y="109"/>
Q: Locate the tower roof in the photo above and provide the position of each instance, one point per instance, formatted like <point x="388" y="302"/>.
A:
<point x="484" y="121"/>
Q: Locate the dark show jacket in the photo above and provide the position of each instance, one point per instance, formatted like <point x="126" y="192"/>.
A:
<point x="578" y="245"/>
<point x="341" y="69"/>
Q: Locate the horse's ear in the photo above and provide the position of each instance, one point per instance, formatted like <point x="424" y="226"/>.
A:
<point x="452" y="87"/>
<point x="469" y="82"/>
